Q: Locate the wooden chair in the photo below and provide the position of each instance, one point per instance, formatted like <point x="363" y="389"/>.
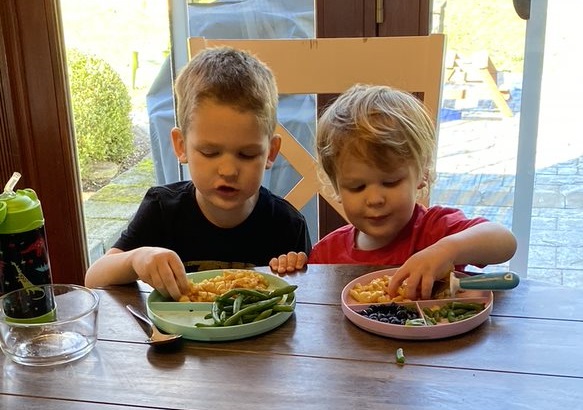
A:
<point x="330" y="66"/>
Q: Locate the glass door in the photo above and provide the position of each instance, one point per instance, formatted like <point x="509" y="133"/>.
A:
<point x="502" y="152"/>
<point x="555" y="244"/>
<point x="115" y="50"/>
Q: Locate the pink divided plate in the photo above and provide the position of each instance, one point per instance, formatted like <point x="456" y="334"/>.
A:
<point x="443" y="329"/>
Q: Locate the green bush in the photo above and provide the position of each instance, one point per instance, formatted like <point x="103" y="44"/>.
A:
<point x="101" y="111"/>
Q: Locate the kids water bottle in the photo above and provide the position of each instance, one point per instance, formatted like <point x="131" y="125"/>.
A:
<point x="24" y="257"/>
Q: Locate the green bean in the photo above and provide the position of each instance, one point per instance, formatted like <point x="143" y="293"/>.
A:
<point x="263" y="315"/>
<point x="255" y="307"/>
<point x="400" y="356"/>
<point x="249" y="318"/>
<point x="430" y="320"/>
<point x="238" y="303"/>
<point x="415" y="322"/>
<point x="216" y="312"/>
<point x="242" y="291"/>
<point x="242" y="305"/>
<point x="283" y="308"/>
<point x="467" y="315"/>
<point x="228" y="309"/>
<point x="468" y="306"/>
<point x="282" y="291"/>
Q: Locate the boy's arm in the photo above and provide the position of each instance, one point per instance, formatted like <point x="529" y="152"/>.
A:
<point x="113" y="268"/>
<point x="483" y="244"/>
<point x="159" y="267"/>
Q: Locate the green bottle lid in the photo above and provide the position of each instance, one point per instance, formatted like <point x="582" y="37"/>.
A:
<point x="20" y="211"/>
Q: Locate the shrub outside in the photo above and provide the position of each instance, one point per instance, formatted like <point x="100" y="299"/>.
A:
<point x="101" y="111"/>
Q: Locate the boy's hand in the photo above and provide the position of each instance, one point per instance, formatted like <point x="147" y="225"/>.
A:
<point x="419" y="273"/>
<point x="162" y="269"/>
<point x="288" y="263"/>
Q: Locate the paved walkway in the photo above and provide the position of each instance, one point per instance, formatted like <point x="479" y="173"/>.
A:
<point x="476" y="166"/>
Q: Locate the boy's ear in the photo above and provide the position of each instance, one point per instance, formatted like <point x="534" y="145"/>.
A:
<point x="179" y="145"/>
<point x="274" y="146"/>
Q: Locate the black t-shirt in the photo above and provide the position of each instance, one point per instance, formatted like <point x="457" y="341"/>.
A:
<point x="170" y="217"/>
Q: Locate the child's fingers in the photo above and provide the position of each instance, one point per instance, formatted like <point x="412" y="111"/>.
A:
<point x="274" y="264"/>
<point x="301" y="260"/>
<point x="179" y="275"/>
<point x="296" y="261"/>
<point x="396" y="281"/>
<point x="288" y="263"/>
<point x="426" y="287"/>
<point x="279" y="264"/>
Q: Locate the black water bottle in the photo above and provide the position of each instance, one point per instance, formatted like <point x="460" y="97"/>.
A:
<point x="24" y="256"/>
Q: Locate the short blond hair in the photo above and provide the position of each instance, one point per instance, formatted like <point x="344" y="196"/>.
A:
<point x="375" y="124"/>
<point x="228" y="76"/>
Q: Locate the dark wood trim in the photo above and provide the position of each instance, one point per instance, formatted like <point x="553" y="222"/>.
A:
<point x="36" y="133"/>
<point x="357" y="18"/>
<point x="405" y="18"/>
<point x="352" y="18"/>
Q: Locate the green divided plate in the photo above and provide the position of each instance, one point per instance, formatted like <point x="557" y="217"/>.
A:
<point x="181" y="317"/>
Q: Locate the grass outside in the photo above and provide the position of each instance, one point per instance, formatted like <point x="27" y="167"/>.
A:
<point x="492" y="26"/>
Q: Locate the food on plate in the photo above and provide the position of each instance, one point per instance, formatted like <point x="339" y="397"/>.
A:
<point x="376" y="291"/>
<point x="392" y="313"/>
<point x="452" y="312"/>
<point x="408" y="315"/>
<point x="240" y="306"/>
<point x="208" y="289"/>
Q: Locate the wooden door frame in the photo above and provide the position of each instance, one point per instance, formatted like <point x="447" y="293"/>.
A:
<point x="36" y="132"/>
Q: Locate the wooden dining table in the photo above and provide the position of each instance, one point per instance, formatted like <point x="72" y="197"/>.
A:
<point x="527" y="355"/>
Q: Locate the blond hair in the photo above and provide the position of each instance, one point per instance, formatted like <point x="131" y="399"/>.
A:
<point x="376" y="124"/>
<point x="231" y="77"/>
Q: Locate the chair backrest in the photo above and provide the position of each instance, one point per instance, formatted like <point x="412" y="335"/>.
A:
<point x="332" y="65"/>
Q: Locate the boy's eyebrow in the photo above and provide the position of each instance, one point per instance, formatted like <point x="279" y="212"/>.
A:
<point x="214" y="145"/>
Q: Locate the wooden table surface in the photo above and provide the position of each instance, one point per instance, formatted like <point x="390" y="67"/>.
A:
<point x="528" y="354"/>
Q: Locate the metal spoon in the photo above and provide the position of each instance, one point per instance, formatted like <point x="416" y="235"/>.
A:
<point x="155" y="336"/>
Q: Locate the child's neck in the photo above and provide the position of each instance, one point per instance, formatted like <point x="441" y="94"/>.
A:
<point x="365" y="242"/>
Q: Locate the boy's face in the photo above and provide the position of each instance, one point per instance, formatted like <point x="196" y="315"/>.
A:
<point x="379" y="203"/>
<point x="227" y="154"/>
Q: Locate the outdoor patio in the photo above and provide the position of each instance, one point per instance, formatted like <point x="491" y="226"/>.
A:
<point x="475" y="173"/>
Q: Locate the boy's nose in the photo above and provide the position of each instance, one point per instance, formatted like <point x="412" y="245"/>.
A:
<point x="227" y="169"/>
<point x="374" y="198"/>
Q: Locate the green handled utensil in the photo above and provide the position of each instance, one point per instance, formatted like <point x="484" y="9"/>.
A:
<point x="485" y="281"/>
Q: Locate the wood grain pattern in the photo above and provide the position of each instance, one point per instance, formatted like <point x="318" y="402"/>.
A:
<point x="123" y="373"/>
<point x="319" y="360"/>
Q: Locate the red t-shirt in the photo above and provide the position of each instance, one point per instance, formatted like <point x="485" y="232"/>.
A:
<point x="427" y="226"/>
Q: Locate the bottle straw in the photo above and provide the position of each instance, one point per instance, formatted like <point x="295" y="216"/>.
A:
<point x="9" y="187"/>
